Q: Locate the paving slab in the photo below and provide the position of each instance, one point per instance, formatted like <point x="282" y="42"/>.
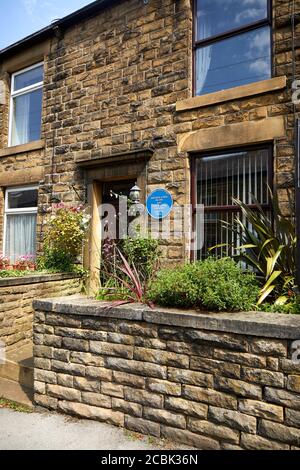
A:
<point x="52" y="431"/>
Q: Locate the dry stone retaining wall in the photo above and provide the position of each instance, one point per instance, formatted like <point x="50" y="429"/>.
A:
<point x="210" y="381"/>
<point x="16" y="296"/>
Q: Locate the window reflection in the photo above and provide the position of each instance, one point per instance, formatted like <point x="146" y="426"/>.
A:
<point x="218" y="16"/>
<point x="235" y="61"/>
<point x="241" y="52"/>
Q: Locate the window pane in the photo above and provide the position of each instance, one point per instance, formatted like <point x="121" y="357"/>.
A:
<point x="20" y="235"/>
<point x="239" y="60"/>
<point x="218" y="16"/>
<point x="22" y="199"/>
<point x="236" y="174"/>
<point x="28" y="78"/>
<point x="221" y="177"/>
<point x="27" y="117"/>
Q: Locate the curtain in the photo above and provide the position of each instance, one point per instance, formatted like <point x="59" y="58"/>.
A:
<point x="20" y="129"/>
<point x="203" y="54"/>
<point x="20" y="235"/>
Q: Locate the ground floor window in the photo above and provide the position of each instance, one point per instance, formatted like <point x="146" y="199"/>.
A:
<point x="20" y="222"/>
<point x="217" y="178"/>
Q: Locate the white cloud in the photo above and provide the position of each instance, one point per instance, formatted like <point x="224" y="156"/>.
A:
<point x="30" y="6"/>
<point x="260" y="67"/>
<point x="261" y="41"/>
<point x="257" y="3"/>
<point x="42" y="12"/>
<point x="249" y="14"/>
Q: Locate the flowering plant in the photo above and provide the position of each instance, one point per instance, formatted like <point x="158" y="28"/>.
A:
<point x="4" y="261"/>
<point x="66" y="229"/>
<point x="25" y="262"/>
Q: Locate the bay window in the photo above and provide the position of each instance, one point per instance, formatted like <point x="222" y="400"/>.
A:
<point x="232" y="43"/>
<point x="218" y="177"/>
<point x="26" y="105"/>
<point x="20" y="222"/>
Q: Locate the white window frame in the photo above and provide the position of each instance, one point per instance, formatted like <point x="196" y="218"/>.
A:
<point x="21" y="211"/>
<point x="22" y="91"/>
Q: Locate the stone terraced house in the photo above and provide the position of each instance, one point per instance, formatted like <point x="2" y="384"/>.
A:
<point x="194" y="96"/>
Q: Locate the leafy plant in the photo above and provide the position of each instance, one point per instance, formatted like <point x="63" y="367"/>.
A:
<point x="292" y="306"/>
<point x="133" y="281"/>
<point x="126" y="268"/>
<point x="143" y="252"/>
<point x="66" y="229"/>
<point x="25" y="262"/>
<point x="4" y="261"/>
<point x="55" y="260"/>
<point x="15" y="273"/>
<point x="65" y="234"/>
<point x="213" y="284"/>
<point x="269" y="246"/>
<point x="126" y="285"/>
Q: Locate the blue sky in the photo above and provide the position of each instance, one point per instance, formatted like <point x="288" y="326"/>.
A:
<point x="19" y="18"/>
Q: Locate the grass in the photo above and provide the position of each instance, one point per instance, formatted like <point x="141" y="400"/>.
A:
<point x="12" y="405"/>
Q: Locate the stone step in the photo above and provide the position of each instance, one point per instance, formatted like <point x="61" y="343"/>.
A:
<point x="21" y="372"/>
<point x="14" y="391"/>
<point x="18" y="365"/>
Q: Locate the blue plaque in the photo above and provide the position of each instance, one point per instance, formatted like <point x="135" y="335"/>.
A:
<point x="159" y="203"/>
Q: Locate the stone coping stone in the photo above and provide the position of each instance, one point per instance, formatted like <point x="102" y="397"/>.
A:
<point x="36" y="278"/>
<point x="268" y="325"/>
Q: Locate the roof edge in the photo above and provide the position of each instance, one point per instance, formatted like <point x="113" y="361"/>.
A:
<point x="63" y="23"/>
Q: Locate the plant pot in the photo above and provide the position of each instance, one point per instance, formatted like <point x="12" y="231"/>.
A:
<point x="19" y="268"/>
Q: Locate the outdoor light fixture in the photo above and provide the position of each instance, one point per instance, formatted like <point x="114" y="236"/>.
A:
<point x="135" y="194"/>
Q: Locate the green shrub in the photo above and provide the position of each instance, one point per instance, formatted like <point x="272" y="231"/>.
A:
<point x="208" y="285"/>
<point x="292" y="307"/>
<point x="66" y="229"/>
<point x="55" y="260"/>
<point x="143" y="252"/>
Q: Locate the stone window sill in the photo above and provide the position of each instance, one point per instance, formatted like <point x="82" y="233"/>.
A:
<point x="257" y="88"/>
<point x="36" y="145"/>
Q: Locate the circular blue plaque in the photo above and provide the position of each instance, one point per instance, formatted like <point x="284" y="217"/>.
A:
<point x="159" y="203"/>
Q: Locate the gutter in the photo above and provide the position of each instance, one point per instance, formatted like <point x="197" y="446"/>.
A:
<point x="62" y="24"/>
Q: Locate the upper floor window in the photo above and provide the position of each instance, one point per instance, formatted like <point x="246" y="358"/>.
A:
<point x="26" y="105"/>
<point x="232" y="43"/>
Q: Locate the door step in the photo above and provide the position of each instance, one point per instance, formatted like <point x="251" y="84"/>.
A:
<point x="18" y="366"/>
<point x="15" y="392"/>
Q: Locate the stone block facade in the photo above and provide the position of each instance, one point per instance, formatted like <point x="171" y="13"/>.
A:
<point x="116" y="82"/>
<point x="211" y="381"/>
<point x="16" y="311"/>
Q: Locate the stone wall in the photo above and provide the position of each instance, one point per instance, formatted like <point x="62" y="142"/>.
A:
<point x="16" y="296"/>
<point x="206" y="380"/>
<point x="112" y="84"/>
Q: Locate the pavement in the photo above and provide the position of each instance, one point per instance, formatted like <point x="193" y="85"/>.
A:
<point x="51" y="431"/>
<point x="42" y="430"/>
